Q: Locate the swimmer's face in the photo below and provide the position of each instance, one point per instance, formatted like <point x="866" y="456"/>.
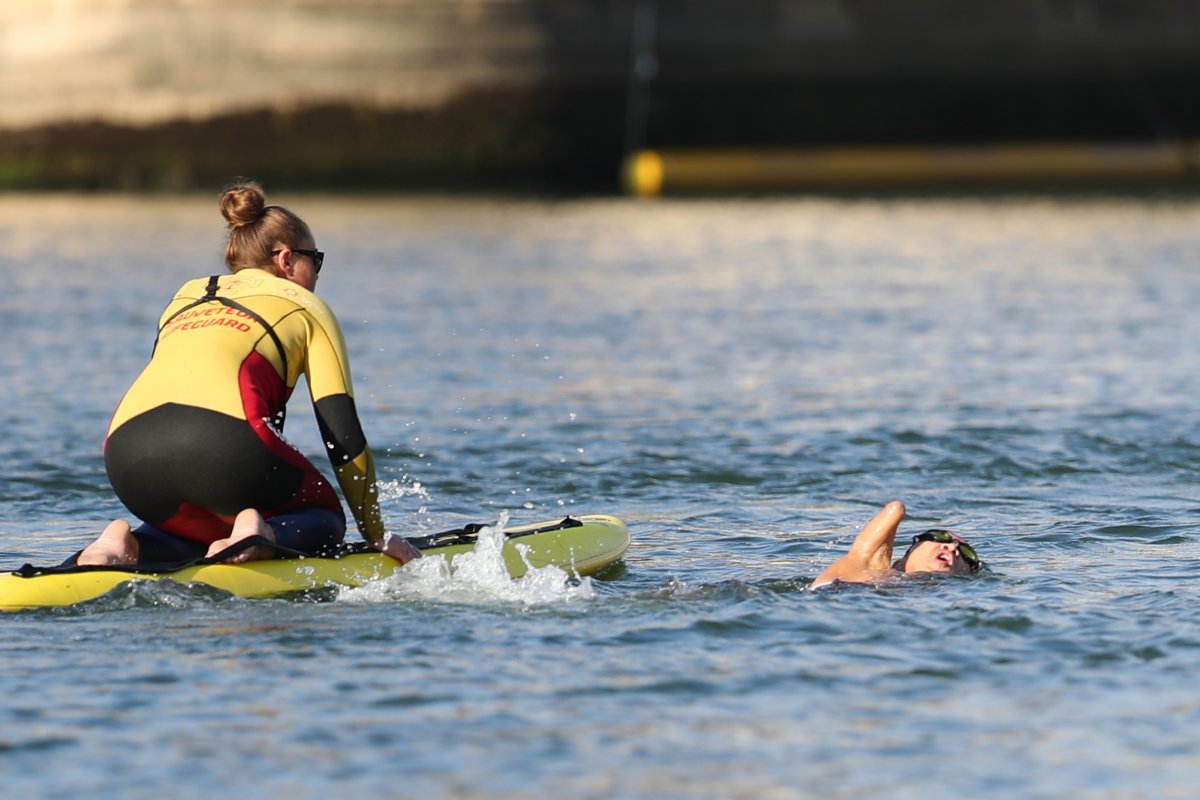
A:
<point x="933" y="556"/>
<point x="938" y="550"/>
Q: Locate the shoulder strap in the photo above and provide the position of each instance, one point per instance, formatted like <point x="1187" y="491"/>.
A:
<point x="210" y="296"/>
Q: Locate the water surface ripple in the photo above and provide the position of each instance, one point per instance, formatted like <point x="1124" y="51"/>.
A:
<point x="745" y="382"/>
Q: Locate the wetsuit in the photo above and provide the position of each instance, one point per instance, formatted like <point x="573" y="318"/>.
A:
<point x="199" y="435"/>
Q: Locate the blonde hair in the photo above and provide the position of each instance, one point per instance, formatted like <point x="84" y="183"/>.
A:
<point x="255" y="228"/>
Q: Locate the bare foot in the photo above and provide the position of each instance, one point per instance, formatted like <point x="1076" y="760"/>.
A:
<point x="248" y="523"/>
<point x="116" y="546"/>
<point x="398" y="548"/>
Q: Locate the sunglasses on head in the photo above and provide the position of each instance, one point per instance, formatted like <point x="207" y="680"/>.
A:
<point x="946" y="537"/>
<point x="318" y="257"/>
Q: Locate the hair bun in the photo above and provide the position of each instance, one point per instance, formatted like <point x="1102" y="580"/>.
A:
<point x="243" y="203"/>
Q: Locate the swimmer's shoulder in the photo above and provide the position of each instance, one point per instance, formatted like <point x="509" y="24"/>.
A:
<point x="840" y="584"/>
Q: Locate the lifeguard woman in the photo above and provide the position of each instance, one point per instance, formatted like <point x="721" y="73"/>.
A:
<point x="196" y="448"/>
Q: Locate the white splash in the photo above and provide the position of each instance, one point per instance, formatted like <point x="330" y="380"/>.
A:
<point x="476" y="577"/>
<point x="406" y="486"/>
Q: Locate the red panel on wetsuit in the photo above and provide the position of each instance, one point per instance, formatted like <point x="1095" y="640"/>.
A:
<point x="264" y="396"/>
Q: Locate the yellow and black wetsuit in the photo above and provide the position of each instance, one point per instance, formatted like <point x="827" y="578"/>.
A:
<point x="199" y="435"/>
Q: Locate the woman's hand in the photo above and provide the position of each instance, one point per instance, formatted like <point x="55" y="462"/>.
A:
<point x="398" y="548"/>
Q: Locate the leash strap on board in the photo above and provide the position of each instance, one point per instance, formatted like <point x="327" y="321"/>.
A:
<point x="30" y="571"/>
<point x="469" y="534"/>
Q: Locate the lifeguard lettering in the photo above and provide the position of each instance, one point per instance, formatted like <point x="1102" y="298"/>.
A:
<point x="225" y="316"/>
<point x="205" y="323"/>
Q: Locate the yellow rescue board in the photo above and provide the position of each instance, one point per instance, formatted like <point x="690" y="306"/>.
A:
<point x="583" y="545"/>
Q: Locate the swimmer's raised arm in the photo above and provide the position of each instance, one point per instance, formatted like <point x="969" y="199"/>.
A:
<point x="870" y="556"/>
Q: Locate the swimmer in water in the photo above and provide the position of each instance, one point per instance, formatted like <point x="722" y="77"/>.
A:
<point x="870" y="557"/>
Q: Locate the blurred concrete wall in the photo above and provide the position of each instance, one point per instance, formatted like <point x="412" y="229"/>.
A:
<point x="552" y="92"/>
<point x="149" y="61"/>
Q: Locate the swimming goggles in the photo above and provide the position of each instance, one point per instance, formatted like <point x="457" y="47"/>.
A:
<point x="946" y="537"/>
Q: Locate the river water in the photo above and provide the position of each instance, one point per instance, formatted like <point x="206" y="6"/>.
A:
<point x="745" y="382"/>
